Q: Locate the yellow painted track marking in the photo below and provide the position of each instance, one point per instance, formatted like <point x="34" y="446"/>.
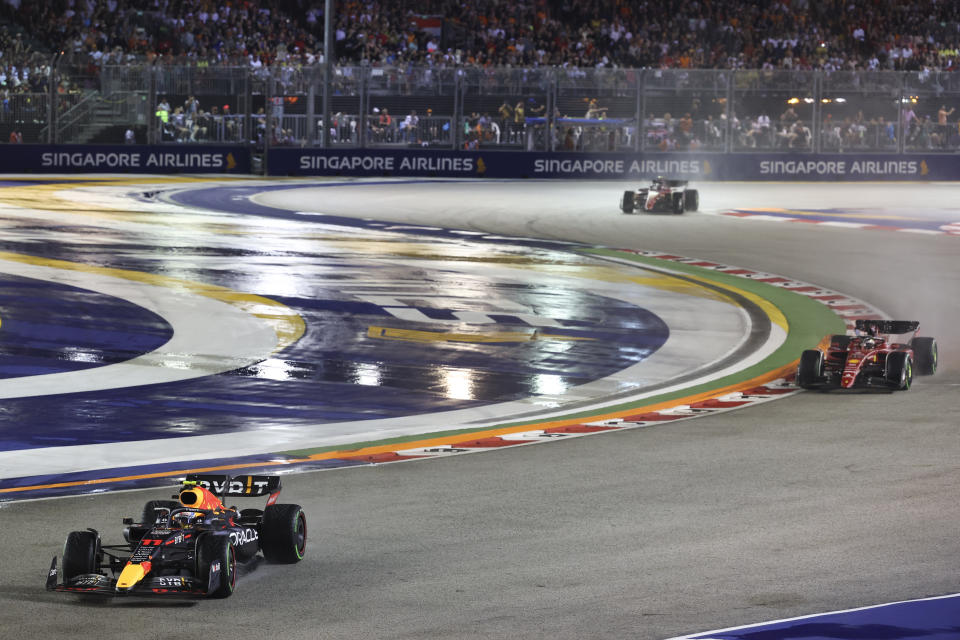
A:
<point x="412" y="335"/>
<point x="285" y="322"/>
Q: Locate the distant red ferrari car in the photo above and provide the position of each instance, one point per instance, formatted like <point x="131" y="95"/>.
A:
<point x="671" y="196"/>
<point x="869" y="359"/>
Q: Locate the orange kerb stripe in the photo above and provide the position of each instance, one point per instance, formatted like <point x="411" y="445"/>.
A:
<point x="432" y="442"/>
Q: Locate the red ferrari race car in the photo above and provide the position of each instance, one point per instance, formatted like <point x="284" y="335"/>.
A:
<point x="189" y="547"/>
<point x="662" y="195"/>
<point x="869" y="359"/>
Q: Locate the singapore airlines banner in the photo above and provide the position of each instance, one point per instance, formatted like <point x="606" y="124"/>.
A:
<point x="296" y="161"/>
<point x="40" y="158"/>
<point x="614" y="166"/>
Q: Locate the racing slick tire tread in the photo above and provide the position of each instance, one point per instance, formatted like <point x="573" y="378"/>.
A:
<point x="899" y="370"/>
<point x="691" y="200"/>
<point x="678" y="203"/>
<point x="80" y="554"/>
<point x="283" y="535"/>
<point x="150" y="510"/>
<point x="211" y="548"/>
<point x="925" y="353"/>
<point x="810" y="369"/>
<point x="626" y="204"/>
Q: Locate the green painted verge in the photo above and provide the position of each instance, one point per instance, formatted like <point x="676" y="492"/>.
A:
<point x="808" y="320"/>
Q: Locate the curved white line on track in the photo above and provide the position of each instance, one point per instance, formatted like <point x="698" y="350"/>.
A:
<point x="730" y="326"/>
<point x="209" y="336"/>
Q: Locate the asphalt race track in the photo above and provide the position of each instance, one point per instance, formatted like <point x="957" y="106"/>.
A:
<point x="813" y="503"/>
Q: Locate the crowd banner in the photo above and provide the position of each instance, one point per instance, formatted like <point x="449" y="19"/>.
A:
<point x="612" y="166"/>
<point x="40" y="158"/>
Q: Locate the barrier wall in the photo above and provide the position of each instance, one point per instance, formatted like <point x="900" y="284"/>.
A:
<point x="614" y="166"/>
<point x="41" y="158"/>
<point x="479" y="164"/>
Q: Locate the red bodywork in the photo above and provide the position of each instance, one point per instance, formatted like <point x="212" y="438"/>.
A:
<point x="654" y="196"/>
<point x="862" y="361"/>
<point x="869" y="358"/>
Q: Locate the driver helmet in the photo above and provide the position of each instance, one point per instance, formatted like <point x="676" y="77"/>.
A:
<point x="186" y="518"/>
<point x="196" y="497"/>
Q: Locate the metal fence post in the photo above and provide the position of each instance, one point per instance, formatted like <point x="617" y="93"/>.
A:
<point x="551" y="143"/>
<point x="901" y="129"/>
<point x="459" y="94"/>
<point x="249" y="130"/>
<point x="363" y="70"/>
<point x="327" y="69"/>
<point x="817" y="111"/>
<point x="52" y="99"/>
<point x="152" y="137"/>
<point x="268" y="95"/>
<point x="728" y="134"/>
<point x="640" y="111"/>
<point x="311" y="116"/>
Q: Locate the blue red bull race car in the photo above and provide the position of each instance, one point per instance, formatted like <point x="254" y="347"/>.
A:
<point x="671" y="196"/>
<point x="188" y="547"/>
<point x="869" y="359"/>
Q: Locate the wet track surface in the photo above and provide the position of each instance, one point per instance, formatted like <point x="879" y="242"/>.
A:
<point x="248" y="319"/>
<point x="814" y="503"/>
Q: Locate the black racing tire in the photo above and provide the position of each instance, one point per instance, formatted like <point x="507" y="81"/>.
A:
<point x="81" y="554"/>
<point x="678" y="203"/>
<point x="840" y="341"/>
<point x="211" y="549"/>
<point x="283" y="535"/>
<point x="626" y="203"/>
<point x="691" y="200"/>
<point x="810" y="369"/>
<point x="899" y="370"/>
<point x="149" y="515"/>
<point x="925" y="355"/>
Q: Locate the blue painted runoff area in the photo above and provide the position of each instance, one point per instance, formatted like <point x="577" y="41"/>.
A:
<point x="935" y="618"/>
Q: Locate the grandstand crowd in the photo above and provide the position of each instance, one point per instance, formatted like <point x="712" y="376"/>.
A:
<point x="788" y="34"/>
<point x="826" y="35"/>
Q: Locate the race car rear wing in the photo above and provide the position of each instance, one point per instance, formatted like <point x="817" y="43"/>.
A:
<point x="888" y="326"/>
<point x="244" y="486"/>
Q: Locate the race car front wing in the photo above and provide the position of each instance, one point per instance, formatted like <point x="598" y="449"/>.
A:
<point x="101" y="585"/>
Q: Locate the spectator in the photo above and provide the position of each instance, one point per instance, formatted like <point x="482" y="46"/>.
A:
<point x="410" y="126"/>
<point x="943" y="129"/>
<point x="594" y="110"/>
<point x="519" y="121"/>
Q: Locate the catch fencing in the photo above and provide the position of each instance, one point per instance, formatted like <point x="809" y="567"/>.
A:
<point x="645" y="112"/>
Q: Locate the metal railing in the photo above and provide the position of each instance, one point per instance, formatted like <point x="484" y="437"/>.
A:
<point x="544" y="109"/>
